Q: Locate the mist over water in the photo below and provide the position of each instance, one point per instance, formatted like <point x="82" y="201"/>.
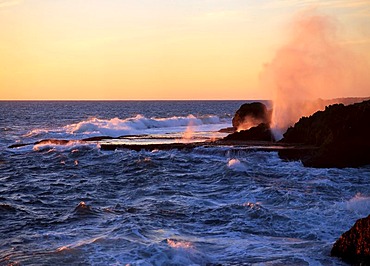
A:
<point x="313" y="63"/>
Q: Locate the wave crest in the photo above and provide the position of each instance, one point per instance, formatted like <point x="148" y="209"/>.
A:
<point x="359" y="204"/>
<point x="116" y="127"/>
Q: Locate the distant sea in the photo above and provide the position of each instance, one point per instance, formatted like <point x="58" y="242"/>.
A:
<point x="74" y="204"/>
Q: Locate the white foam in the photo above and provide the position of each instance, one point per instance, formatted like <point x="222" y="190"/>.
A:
<point x="35" y="132"/>
<point x="359" y="204"/>
<point x="136" y="123"/>
<point x="73" y="146"/>
<point x="236" y="165"/>
<point x="142" y="125"/>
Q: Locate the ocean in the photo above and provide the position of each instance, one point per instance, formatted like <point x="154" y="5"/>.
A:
<point x="71" y="203"/>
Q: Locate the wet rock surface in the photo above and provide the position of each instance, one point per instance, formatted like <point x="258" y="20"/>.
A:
<point x="251" y="115"/>
<point x="341" y="133"/>
<point x="261" y="132"/>
<point x="354" y="245"/>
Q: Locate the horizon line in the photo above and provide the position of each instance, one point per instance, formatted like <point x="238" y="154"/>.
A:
<point x="160" y="100"/>
<point x="122" y="100"/>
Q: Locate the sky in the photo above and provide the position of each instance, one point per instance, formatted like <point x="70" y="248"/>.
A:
<point x="156" y="49"/>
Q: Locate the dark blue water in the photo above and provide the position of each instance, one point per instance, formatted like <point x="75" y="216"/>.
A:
<point x="77" y="205"/>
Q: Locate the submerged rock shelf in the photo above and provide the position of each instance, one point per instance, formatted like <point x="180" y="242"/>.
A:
<point x="253" y="145"/>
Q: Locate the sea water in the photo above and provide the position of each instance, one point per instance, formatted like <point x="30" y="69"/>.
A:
<point x="75" y="204"/>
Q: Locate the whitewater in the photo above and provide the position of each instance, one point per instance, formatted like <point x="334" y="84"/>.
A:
<point x="71" y="203"/>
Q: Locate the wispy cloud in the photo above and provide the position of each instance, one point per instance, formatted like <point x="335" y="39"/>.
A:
<point x="288" y="3"/>
<point x="8" y="3"/>
<point x="318" y="3"/>
<point x="220" y="18"/>
<point x="224" y="15"/>
<point x="363" y="41"/>
<point x="364" y="12"/>
<point x="355" y="8"/>
<point x="345" y="4"/>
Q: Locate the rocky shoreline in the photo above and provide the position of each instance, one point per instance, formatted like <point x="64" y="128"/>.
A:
<point x="253" y="145"/>
<point x="340" y="134"/>
<point x="336" y="137"/>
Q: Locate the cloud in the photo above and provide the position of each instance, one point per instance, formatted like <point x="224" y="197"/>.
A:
<point x="346" y="4"/>
<point x="288" y="3"/>
<point x="354" y="9"/>
<point x="8" y="3"/>
<point x="357" y="41"/>
<point x="318" y="3"/>
<point x="364" y="12"/>
<point x="223" y="15"/>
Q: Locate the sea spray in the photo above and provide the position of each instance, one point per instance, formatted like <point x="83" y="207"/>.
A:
<point x="313" y="63"/>
<point x="189" y="131"/>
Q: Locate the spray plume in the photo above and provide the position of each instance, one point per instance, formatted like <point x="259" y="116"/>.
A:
<point x="189" y="132"/>
<point x="313" y="63"/>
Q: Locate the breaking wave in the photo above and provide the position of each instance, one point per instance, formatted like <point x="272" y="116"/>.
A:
<point x="139" y="124"/>
<point x="117" y="127"/>
<point x="236" y="165"/>
<point x="359" y="204"/>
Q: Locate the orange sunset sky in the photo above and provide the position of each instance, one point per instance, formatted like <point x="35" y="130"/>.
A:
<point x="155" y="49"/>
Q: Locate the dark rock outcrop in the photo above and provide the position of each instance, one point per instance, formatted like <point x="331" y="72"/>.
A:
<point x="341" y="133"/>
<point x="354" y="245"/>
<point x="44" y="141"/>
<point x="227" y="130"/>
<point x="261" y="132"/>
<point x="151" y="147"/>
<point x="251" y="115"/>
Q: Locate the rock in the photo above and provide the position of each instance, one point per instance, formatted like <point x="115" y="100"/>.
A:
<point x="297" y="153"/>
<point x="18" y="145"/>
<point x="261" y="132"/>
<point x="341" y="133"/>
<point x="354" y="245"/>
<point x="227" y="130"/>
<point x="251" y="115"/>
<point x="150" y="147"/>
<point x="44" y="141"/>
<point x="53" y="142"/>
<point x="97" y="138"/>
